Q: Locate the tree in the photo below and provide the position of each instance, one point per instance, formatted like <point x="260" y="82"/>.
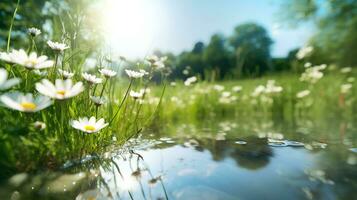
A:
<point x="337" y="26"/>
<point x="192" y="59"/>
<point x="217" y="56"/>
<point x="251" y="45"/>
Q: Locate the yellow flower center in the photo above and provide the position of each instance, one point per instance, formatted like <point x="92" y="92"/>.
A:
<point x="28" y="105"/>
<point x="91" y="198"/>
<point x="89" y="128"/>
<point x="61" y="92"/>
<point x="31" y="62"/>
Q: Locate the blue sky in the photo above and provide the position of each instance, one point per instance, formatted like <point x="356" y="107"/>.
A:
<point x="175" y="25"/>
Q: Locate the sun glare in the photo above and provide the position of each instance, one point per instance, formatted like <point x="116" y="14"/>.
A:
<point x="130" y="27"/>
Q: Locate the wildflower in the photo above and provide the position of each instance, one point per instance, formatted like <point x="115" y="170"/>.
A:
<point x="258" y="90"/>
<point x="62" y="89"/>
<point x="25" y="102"/>
<point x="98" y="101"/>
<point x="31" y="61"/>
<point x="152" y="58"/>
<point x="185" y="72"/>
<point x="39" y="125"/>
<point x="108" y="73"/>
<point x="227" y="98"/>
<point x="7" y="83"/>
<point x="136" y="95"/>
<point x="226" y="94"/>
<point x="303" y="52"/>
<point x="56" y="46"/>
<point x="135" y="74"/>
<point x="218" y="87"/>
<point x="346" y="70"/>
<point x="157" y="62"/>
<point x="321" y="67"/>
<point x="90" y="125"/>
<point x="190" y="80"/>
<point x="33" y="31"/>
<point x="313" y="74"/>
<point x="65" y="74"/>
<point x="143" y="72"/>
<point x="307" y="65"/>
<point x="272" y="88"/>
<point x="303" y="94"/>
<point x="345" y="88"/>
<point x="91" y="79"/>
<point x="173" y="84"/>
<point x="350" y="79"/>
<point x="237" y="88"/>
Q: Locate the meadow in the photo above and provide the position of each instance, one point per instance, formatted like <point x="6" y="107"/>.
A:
<point x="78" y="121"/>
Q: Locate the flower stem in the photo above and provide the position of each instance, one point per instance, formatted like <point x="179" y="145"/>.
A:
<point x="105" y="83"/>
<point x="12" y="23"/>
<point x="123" y="100"/>
<point x="55" y="67"/>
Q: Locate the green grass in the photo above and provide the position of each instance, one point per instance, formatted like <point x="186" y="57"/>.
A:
<point x="325" y="100"/>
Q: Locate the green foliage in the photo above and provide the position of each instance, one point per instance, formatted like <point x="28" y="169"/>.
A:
<point x="217" y="56"/>
<point x="336" y="21"/>
<point x="252" y="48"/>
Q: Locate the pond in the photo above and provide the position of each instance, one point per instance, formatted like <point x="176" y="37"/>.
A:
<point x="213" y="159"/>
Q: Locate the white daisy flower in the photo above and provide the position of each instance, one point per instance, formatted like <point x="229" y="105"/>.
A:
<point x="25" y="102"/>
<point x="157" y="62"/>
<point x="190" y="80"/>
<point x="89" y="125"/>
<point x="5" y="57"/>
<point x="31" y="61"/>
<point x="62" y="89"/>
<point x="218" y="88"/>
<point x="57" y="46"/>
<point x="98" y="101"/>
<point x="39" y="125"/>
<point x="91" y="79"/>
<point x="304" y="52"/>
<point x="152" y="59"/>
<point x="135" y="74"/>
<point x="65" y="74"/>
<point x="136" y="95"/>
<point x="303" y="94"/>
<point x="7" y="83"/>
<point x="33" y="31"/>
<point x="108" y="73"/>
<point x="350" y="79"/>
<point x="345" y="88"/>
<point x="237" y="88"/>
<point x="143" y="72"/>
<point x="346" y="70"/>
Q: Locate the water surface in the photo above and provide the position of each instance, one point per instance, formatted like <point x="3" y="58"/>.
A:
<point x="215" y="159"/>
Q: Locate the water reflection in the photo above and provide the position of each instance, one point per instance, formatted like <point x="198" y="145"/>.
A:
<point x="222" y="160"/>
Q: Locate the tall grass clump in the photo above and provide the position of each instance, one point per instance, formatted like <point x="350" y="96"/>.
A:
<point x="320" y="92"/>
<point x="54" y="110"/>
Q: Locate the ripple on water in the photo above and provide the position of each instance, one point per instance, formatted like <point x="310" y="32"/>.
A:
<point x="277" y="143"/>
<point x="240" y="142"/>
<point x="285" y="143"/>
<point x="294" y="143"/>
